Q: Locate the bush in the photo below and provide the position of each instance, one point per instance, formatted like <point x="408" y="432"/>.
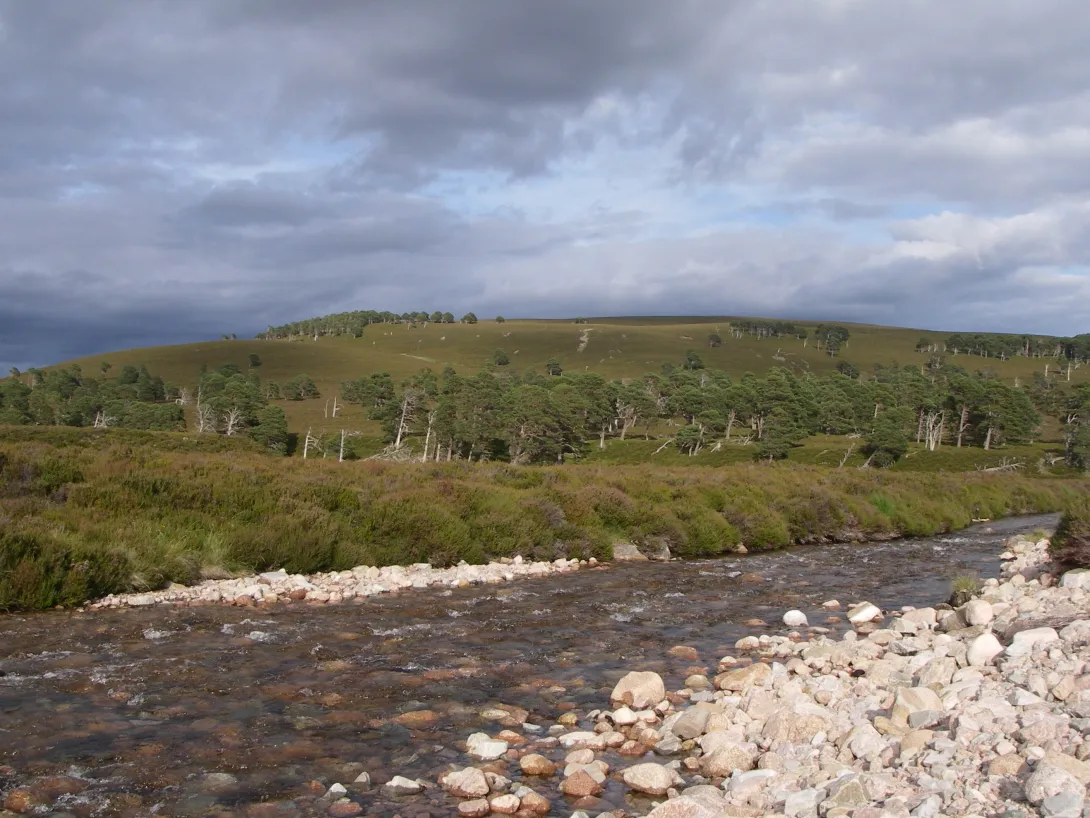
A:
<point x="1071" y="542"/>
<point x="133" y="511"/>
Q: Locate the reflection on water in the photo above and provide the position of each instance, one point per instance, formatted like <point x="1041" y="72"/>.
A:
<point x="143" y="704"/>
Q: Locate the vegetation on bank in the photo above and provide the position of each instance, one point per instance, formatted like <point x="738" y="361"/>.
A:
<point x="1070" y="544"/>
<point x="82" y="521"/>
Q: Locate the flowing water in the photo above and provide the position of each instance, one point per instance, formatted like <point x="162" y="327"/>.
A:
<point x="143" y="704"/>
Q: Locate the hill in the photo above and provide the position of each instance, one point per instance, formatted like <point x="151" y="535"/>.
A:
<point x="619" y="347"/>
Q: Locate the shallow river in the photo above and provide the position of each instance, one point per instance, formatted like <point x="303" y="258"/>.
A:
<point x="144" y="703"/>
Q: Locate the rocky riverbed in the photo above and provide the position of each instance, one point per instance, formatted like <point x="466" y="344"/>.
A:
<point x="979" y="711"/>
<point x="670" y="689"/>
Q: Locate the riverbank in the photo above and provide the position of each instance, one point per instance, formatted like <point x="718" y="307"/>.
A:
<point x="930" y="712"/>
<point x="82" y="524"/>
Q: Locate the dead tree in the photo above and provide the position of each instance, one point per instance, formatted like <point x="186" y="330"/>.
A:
<point x="104" y="421"/>
<point x="934" y="426"/>
<point x="233" y="421"/>
<point x="185" y="397"/>
<point x="206" y="419"/>
<point x="311" y="442"/>
<point x="345" y="435"/>
<point x="847" y="454"/>
<point x="427" y="439"/>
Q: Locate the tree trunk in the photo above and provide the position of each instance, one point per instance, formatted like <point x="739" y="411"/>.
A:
<point x="602" y="438"/>
<point x="988" y="438"/>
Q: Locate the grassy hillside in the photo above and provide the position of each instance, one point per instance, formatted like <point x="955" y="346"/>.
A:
<point x="615" y="347"/>
<point x="107" y="511"/>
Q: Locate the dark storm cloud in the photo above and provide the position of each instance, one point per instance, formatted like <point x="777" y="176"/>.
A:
<point x="170" y="171"/>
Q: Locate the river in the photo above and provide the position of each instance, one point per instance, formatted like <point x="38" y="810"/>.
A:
<point x="141" y="704"/>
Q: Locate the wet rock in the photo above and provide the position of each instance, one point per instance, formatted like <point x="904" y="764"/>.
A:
<point x="467" y="783"/>
<point x="505" y="804"/>
<point x="684" y="652"/>
<point x="581" y="784"/>
<point x="218" y="783"/>
<point x="481" y="747"/>
<point x="477" y="808"/>
<point x="535" y="764"/>
<point x="795" y="619"/>
<point x="653" y="779"/>
<point x="399" y="785"/>
<point x="863" y="613"/>
<point x="345" y="809"/>
<point x="417" y="719"/>
<point x="639" y="689"/>
<point x="535" y="803"/>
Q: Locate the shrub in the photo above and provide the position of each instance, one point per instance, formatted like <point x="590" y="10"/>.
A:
<point x="1071" y="543"/>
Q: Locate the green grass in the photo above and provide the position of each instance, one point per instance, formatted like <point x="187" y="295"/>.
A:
<point x="116" y="514"/>
<point x="617" y="348"/>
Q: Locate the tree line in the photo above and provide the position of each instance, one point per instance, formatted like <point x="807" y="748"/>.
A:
<point x="535" y="418"/>
<point x="994" y="345"/>
<point x="545" y="418"/>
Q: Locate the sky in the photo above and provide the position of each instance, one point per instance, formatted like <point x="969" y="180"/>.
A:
<point x="170" y="171"/>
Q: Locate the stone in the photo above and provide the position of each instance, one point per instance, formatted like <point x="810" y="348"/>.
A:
<point x="1027" y="641"/>
<point x="686" y="807"/>
<point x="1063" y="805"/>
<point x="639" y="689"/>
<point x="746" y="784"/>
<point x="864" y="741"/>
<point x="399" y="785"/>
<point x="534" y="803"/>
<point x="653" y="779"/>
<point x="977" y="612"/>
<point x="467" y="783"/>
<point x="624" y="717"/>
<point x="803" y="803"/>
<point x="336" y="791"/>
<point x="344" y="809"/>
<point x="727" y="757"/>
<point x="535" y="764"/>
<point x="846" y="793"/>
<point x="795" y="619"/>
<point x="416" y="719"/>
<point x="627" y="552"/>
<point x="863" y="613"/>
<point x="909" y="700"/>
<point x="505" y="804"/>
<point x="363" y="780"/>
<point x="692" y="722"/>
<point x="481" y="747"/>
<point x="478" y="808"/>
<point x="740" y="680"/>
<point x="983" y="650"/>
<point x="581" y="784"/>
<point x="1079" y="769"/>
<point x="1078" y="578"/>
<point x="1010" y="764"/>
<point x="796" y="725"/>
<point x="1047" y="781"/>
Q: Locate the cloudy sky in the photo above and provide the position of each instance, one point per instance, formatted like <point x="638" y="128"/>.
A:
<point x="173" y="170"/>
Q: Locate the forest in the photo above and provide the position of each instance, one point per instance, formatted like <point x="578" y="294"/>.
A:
<point x="556" y="416"/>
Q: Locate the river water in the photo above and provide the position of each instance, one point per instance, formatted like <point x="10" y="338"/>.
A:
<point x="142" y="704"/>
